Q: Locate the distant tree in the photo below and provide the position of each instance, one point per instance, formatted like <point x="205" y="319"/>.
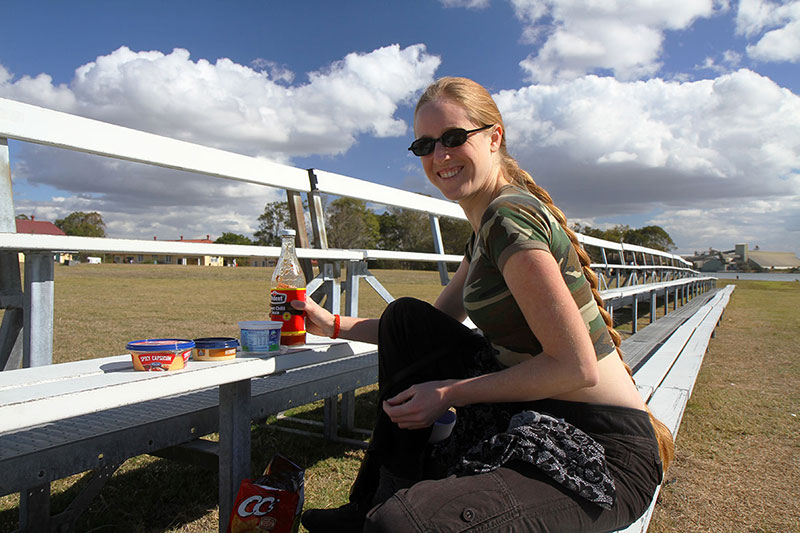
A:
<point x="274" y="218"/>
<point x="389" y="230"/>
<point x="22" y="216"/>
<point x="233" y="238"/>
<point x="405" y="230"/>
<point x="588" y="230"/>
<point x="83" y="224"/>
<point x="351" y="224"/>
<point x="455" y="234"/>
<point x="650" y="237"/>
<point x="617" y="233"/>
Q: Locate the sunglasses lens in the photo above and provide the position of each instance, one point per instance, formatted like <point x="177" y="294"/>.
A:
<point x="449" y="139"/>
<point x="422" y="147"/>
<point x="453" y="138"/>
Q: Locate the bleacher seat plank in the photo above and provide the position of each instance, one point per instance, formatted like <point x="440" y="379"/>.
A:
<point x="649" y="375"/>
<point x="55" y="450"/>
<point x="671" y="395"/>
<point x="637" y="348"/>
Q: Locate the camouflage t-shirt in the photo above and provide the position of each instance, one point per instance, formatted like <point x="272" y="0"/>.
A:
<point x="515" y="221"/>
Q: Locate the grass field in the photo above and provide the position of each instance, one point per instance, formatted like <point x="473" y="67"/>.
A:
<point x="737" y="460"/>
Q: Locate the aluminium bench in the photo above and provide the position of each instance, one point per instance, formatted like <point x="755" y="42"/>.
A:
<point x="63" y="419"/>
<point x="666" y="378"/>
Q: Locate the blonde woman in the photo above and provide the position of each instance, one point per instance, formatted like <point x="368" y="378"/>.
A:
<point x="551" y="433"/>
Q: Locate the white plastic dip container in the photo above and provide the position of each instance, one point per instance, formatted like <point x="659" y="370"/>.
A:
<point x="260" y="335"/>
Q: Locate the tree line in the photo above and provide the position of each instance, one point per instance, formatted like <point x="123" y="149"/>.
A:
<point x="351" y="224"/>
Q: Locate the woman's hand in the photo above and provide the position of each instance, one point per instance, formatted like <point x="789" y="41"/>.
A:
<point x="319" y="321"/>
<point x="419" y="406"/>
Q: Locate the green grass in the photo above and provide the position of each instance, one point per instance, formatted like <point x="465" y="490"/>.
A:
<point x="738" y="427"/>
<point x="738" y="446"/>
<point x="99" y="308"/>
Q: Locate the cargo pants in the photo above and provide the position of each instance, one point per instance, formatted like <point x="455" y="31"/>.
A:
<point x="418" y="343"/>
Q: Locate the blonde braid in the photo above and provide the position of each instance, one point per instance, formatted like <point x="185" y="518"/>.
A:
<point x="521" y="178"/>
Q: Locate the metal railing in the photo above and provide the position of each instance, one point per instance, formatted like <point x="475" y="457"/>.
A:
<point x="31" y="309"/>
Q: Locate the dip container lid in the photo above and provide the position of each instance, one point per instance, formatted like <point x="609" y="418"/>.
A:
<point x="160" y="345"/>
<point x="215" y="343"/>
<point x="260" y="324"/>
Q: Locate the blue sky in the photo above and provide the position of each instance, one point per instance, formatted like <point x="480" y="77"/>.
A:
<point x="682" y="113"/>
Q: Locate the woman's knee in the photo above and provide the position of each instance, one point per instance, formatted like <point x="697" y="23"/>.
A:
<point x="404" y="307"/>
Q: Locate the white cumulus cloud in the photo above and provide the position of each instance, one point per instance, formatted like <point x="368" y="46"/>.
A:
<point x="237" y="107"/>
<point x="469" y="4"/>
<point x="604" y="147"/>
<point x="775" y="24"/>
<point x="255" y="110"/>
<point x="624" y="38"/>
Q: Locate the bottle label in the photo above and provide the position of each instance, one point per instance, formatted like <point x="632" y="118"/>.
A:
<point x="293" y="330"/>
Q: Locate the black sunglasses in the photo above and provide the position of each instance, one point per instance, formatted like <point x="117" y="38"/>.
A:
<point x="450" y="139"/>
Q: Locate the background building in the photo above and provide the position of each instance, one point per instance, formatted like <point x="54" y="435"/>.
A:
<point x="41" y="227"/>
<point x="173" y="259"/>
<point x="741" y="258"/>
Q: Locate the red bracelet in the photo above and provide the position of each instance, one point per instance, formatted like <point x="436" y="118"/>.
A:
<point x="337" y="322"/>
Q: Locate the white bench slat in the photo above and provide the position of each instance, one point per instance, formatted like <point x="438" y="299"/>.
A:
<point x="69" y="243"/>
<point x="668" y="402"/>
<point x="650" y="375"/>
<point x="25" y="122"/>
<point x="668" y="405"/>
<point x="39" y="402"/>
<point x="684" y="372"/>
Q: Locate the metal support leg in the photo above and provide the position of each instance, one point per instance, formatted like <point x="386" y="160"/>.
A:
<point x="360" y="270"/>
<point x="10" y="285"/>
<point x="330" y="427"/>
<point x="11" y="300"/>
<point x="234" y="444"/>
<point x="34" y="509"/>
<point x="37" y="346"/>
<point x="653" y="297"/>
<point x="298" y="220"/>
<point x="438" y="246"/>
<point x="65" y="522"/>
<point x="352" y="277"/>
<point x="635" y="318"/>
<point x="332" y="287"/>
<point x="348" y="415"/>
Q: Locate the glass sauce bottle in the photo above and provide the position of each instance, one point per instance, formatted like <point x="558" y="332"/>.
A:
<point x="288" y="284"/>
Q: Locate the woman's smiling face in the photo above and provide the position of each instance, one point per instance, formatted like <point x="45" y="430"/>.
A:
<point x="464" y="171"/>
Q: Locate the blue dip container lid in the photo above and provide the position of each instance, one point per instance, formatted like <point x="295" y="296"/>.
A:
<point x="216" y="343"/>
<point x="159" y="345"/>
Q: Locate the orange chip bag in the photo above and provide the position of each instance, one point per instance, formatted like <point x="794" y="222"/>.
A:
<point x="272" y="502"/>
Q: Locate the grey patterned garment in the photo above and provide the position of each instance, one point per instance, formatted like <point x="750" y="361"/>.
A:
<point x="559" y="449"/>
<point x="487" y="435"/>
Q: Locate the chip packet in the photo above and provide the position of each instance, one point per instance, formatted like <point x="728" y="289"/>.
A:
<point x="272" y="502"/>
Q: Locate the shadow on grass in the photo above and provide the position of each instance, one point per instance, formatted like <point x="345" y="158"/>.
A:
<point x="149" y="494"/>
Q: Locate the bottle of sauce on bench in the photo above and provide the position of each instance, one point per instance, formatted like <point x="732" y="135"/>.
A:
<point x="288" y="284"/>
